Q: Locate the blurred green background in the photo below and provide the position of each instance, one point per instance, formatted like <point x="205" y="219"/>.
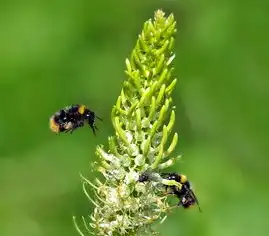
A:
<point x="55" y="53"/>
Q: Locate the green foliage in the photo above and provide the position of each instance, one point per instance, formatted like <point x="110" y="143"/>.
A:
<point x="55" y="53"/>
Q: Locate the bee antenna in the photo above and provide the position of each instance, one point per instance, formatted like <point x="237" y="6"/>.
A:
<point x="200" y="210"/>
<point x="93" y="129"/>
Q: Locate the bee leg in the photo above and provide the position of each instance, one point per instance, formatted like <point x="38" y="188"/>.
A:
<point x="93" y="129"/>
<point x="170" y="190"/>
<point x="179" y="204"/>
<point x="73" y="128"/>
<point x="173" y="207"/>
<point x="98" y="118"/>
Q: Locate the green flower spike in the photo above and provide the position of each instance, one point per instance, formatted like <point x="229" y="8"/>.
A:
<point x="143" y="118"/>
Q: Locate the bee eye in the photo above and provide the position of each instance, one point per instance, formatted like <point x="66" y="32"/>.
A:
<point x="188" y="184"/>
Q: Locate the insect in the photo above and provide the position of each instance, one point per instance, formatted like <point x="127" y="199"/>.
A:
<point x="185" y="194"/>
<point x="72" y="117"/>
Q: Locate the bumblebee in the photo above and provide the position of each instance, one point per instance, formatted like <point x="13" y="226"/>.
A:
<point x="72" y="117"/>
<point x="185" y="194"/>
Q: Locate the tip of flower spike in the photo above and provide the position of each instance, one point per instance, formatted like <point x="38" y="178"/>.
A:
<point x="159" y="14"/>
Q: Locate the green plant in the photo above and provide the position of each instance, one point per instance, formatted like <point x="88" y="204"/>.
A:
<point x="143" y="118"/>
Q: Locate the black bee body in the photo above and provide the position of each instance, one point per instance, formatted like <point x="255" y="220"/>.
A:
<point x="72" y="117"/>
<point x="185" y="194"/>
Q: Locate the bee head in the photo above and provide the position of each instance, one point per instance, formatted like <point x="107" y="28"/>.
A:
<point x="91" y="117"/>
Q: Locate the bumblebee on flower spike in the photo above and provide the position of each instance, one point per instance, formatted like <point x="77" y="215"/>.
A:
<point x="176" y="184"/>
<point x="185" y="193"/>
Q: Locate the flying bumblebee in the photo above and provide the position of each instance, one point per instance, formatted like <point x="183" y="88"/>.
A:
<point x="185" y="194"/>
<point x="72" y="117"/>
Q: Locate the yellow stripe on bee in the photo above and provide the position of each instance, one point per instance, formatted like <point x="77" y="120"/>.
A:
<point x="53" y="125"/>
<point x="81" y="109"/>
<point x="183" y="179"/>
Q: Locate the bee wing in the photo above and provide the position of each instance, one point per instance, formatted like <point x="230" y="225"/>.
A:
<point x="195" y="198"/>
